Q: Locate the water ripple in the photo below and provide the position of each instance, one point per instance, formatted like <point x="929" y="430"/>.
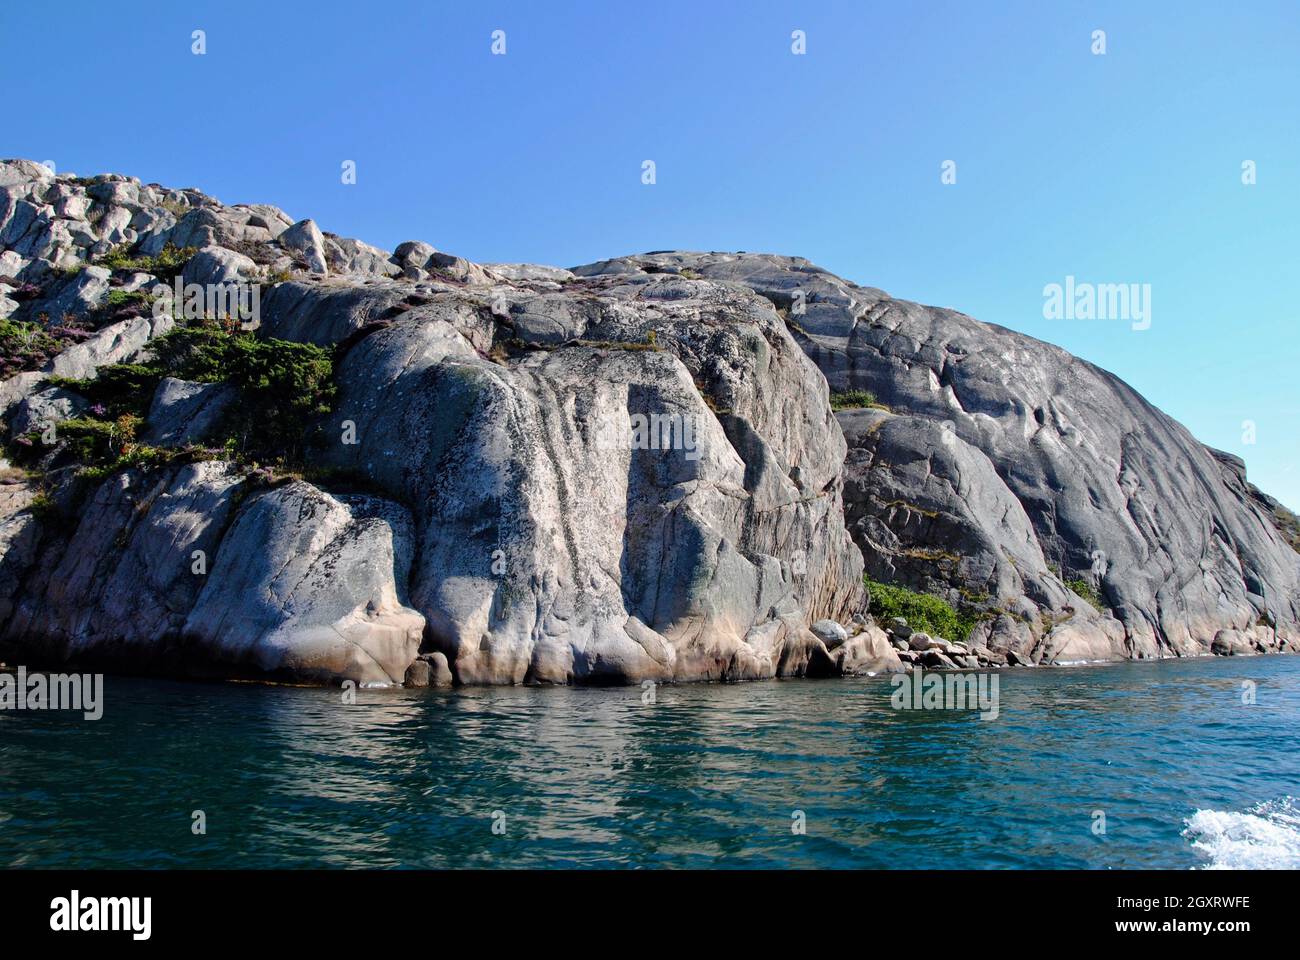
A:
<point x="707" y="776"/>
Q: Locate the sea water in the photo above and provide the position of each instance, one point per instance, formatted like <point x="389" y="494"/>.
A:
<point x="1181" y="764"/>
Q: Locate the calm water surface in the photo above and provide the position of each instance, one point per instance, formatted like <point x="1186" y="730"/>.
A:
<point x="707" y="776"/>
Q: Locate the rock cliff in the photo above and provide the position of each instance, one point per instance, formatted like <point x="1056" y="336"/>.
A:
<point x="627" y="471"/>
<point x="532" y="477"/>
<point x="1006" y="472"/>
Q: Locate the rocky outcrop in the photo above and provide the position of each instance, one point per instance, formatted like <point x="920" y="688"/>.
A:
<point x="1031" y="470"/>
<point x="45" y="407"/>
<point x="19" y="535"/>
<point x="640" y="479"/>
<point x="930" y="511"/>
<point x="560" y="545"/>
<point x="312" y="586"/>
<point x="185" y="570"/>
<point x="628" y="471"/>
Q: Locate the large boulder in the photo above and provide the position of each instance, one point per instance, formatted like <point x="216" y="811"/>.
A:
<point x="75" y="296"/>
<point x="868" y="652"/>
<point x="116" y="343"/>
<point x="14" y="172"/>
<point x="305" y="240"/>
<point x="326" y="313"/>
<point x="217" y="265"/>
<point x="830" y="633"/>
<point x="43" y="408"/>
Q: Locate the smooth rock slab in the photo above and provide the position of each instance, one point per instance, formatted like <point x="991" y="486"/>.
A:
<point x="187" y="571"/>
<point x="306" y="585"/>
<point x="186" y="412"/>
<point x="43" y="408"/>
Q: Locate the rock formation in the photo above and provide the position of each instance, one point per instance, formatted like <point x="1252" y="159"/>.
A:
<point x="554" y="480"/>
<point x="628" y="471"/>
<point x="1006" y="470"/>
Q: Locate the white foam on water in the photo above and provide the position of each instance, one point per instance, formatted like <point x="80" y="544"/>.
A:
<point x="1265" y="837"/>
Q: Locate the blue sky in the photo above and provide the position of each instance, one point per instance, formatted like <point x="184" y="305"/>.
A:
<point x="1117" y="168"/>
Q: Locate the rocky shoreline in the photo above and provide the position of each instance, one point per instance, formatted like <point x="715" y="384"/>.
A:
<point x="239" y="446"/>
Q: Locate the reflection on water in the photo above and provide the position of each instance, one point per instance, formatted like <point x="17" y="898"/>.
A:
<point x="708" y="775"/>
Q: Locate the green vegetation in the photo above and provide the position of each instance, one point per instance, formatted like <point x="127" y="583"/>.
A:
<point x="120" y="305"/>
<point x="855" y="400"/>
<point x="1085" y="589"/>
<point x="119" y="388"/>
<point x="282" y="387"/>
<point x="100" y="446"/>
<point x="26" y="346"/>
<point x="922" y="611"/>
<point x="164" y="266"/>
<point x="42" y="506"/>
<point x="91" y="440"/>
<point x="139" y="455"/>
<point x="444" y="275"/>
<point x="930" y="554"/>
<point x="118" y="299"/>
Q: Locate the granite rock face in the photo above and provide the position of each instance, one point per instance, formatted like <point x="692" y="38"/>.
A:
<point x="1010" y="469"/>
<point x="624" y="472"/>
<point x="185" y="412"/>
<point x="312" y="586"/>
<point x="544" y="479"/>
<point x="184" y="571"/>
<point x="594" y="510"/>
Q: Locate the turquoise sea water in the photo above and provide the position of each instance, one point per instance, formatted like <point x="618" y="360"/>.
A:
<point x="706" y="776"/>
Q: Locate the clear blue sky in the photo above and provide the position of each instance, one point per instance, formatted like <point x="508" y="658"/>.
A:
<point x="1117" y="168"/>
